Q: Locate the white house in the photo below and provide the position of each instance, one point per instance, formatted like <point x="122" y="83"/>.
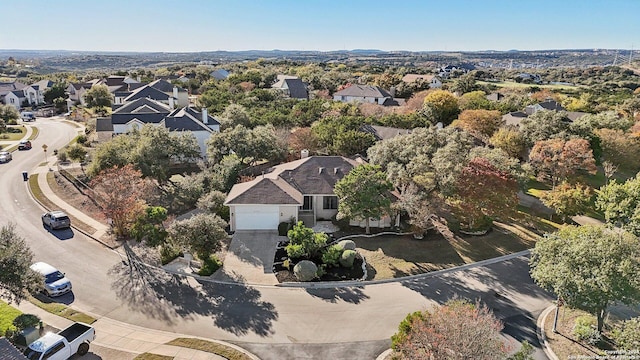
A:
<point x="35" y="92"/>
<point x="363" y="93"/>
<point x="434" y="81"/>
<point x="15" y="98"/>
<point x="301" y="189"/>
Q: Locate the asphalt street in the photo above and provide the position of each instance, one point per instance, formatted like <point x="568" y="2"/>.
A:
<point x="272" y="322"/>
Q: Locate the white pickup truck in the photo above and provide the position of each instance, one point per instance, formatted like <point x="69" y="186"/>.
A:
<point x="61" y="346"/>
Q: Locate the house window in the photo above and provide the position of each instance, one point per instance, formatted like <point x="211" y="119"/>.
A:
<point x="330" y="202"/>
<point x="12" y="100"/>
<point x="308" y="204"/>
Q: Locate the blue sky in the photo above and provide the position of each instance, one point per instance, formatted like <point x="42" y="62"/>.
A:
<point x="204" y="25"/>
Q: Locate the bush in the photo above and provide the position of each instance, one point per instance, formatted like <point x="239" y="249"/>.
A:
<point x="24" y="321"/>
<point x="12" y="122"/>
<point x="305" y="270"/>
<point x="585" y="329"/>
<point x="210" y="265"/>
<point x="283" y="228"/>
<point x="347" y="258"/>
<point x="294" y="251"/>
<point x="628" y="337"/>
<point x="62" y="155"/>
<point x="168" y="253"/>
<point x="332" y="254"/>
<point x="342" y="224"/>
<point x="82" y="139"/>
<point x="347" y="244"/>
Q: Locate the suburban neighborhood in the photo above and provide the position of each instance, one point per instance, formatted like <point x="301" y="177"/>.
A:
<point x="167" y="202"/>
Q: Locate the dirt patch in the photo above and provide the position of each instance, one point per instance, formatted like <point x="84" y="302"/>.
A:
<point x="69" y="193"/>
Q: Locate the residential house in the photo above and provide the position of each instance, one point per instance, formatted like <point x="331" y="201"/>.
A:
<point x="446" y="71"/>
<point x="301" y="190"/>
<point x="219" y="74"/>
<point x="548" y="104"/>
<point x="496" y="96"/>
<point x="528" y="78"/>
<point x="181" y="95"/>
<point x="104" y="129"/>
<point x="144" y="110"/>
<point x="514" y="118"/>
<point x="15" y="98"/>
<point x="9" y="352"/>
<point x="433" y="80"/>
<point x="292" y="87"/>
<point x="35" y="92"/>
<point x="363" y="93"/>
<point x="76" y="92"/>
<point x="383" y="132"/>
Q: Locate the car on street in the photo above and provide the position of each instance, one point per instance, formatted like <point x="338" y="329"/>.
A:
<point x="55" y="283"/>
<point x="5" y="156"/>
<point x="56" y="220"/>
<point x="24" y="145"/>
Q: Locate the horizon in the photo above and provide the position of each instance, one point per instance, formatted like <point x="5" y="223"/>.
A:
<point x="192" y="26"/>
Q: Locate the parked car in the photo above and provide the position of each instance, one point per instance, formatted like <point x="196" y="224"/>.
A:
<point x="61" y="346"/>
<point x="56" y="220"/>
<point x="55" y="283"/>
<point x="5" y="156"/>
<point x="24" y="145"/>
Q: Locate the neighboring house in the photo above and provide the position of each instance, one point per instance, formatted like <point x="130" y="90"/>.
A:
<point x="363" y="93"/>
<point x="292" y="87"/>
<point x="9" y="352"/>
<point x="301" y="190"/>
<point x="35" y="92"/>
<point x="76" y="92"/>
<point x="445" y="71"/>
<point x="104" y="129"/>
<point x="219" y="74"/>
<point x="144" y="110"/>
<point x="514" y="118"/>
<point x="434" y="81"/>
<point x="549" y="104"/>
<point x="15" y="98"/>
<point x="383" y="132"/>
<point x="180" y="94"/>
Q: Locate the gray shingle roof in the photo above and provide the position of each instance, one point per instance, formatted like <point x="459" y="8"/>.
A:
<point x="383" y="132"/>
<point x="147" y="92"/>
<point x="188" y="119"/>
<point x="104" y="124"/>
<point x="265" y="190"/>
<point x="363" y="91"/>
<point x="143" y="109"/>
<point x="165" y="86"/>
<point x="149" y="104"/>
<point x="297" y="89"/>
<point x="9" y="352"/>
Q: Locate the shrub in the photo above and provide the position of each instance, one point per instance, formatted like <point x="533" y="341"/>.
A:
<point x="305" y="270"/>
<point x="12" y="122"/>
<point x="168" y="253"/>
<point x="210" y="265"/>
<point x="82" y="139"/>
<point x="404" y="328"/>
<point x="347" y="258"/>
<point x="24" y="321"/>
<point x="283" y="228"/>
<point x="628" y="337"/>
<point x="294" y="251"/>
<point x="62" y="155"/>
<point x="585" y="329"/>
<point x="332" y="254"/>
<point x="347" y="244"/>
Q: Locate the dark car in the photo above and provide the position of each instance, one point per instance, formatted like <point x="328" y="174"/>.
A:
<point x="56" y="220"/>
<point x="24" y="145"/>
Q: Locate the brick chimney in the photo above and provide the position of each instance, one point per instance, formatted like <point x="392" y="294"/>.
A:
<point x="205" y="116"/>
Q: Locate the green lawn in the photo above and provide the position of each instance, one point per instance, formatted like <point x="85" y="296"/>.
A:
<point x="60" y="309"/>
<point x="15" y="136"/>
<point x="7" y="314"/>
<point x="514" y="84"/>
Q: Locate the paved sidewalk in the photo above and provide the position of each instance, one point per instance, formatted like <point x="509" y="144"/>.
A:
<point x="131" y="339"/>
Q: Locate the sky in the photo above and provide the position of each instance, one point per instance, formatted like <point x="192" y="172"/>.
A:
<point x="415" y="25"/>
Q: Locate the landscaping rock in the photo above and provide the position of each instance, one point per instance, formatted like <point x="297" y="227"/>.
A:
<point x="347" y="244"/>
<point x="305" y="270"/>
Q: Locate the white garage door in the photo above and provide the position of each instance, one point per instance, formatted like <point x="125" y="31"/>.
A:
<point x="264" y="217"/>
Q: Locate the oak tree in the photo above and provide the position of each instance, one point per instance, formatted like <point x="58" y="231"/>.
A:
<point x="557" y="159"/>
<point x="16" y="276"/>
<point x="568" y="199"/>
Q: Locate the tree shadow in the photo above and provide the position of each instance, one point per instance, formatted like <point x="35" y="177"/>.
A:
<point x="167" y="297"/>
<point x="66" y="299"/>
<point x="353" y="295"/>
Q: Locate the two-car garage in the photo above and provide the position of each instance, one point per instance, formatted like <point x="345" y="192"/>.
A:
<point x="256" y="217"/>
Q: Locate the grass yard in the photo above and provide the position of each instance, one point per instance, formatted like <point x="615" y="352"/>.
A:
<point x="150" y="356"/>
<point x="211" y="347"/>
<point x="60" y="309"/>
<point x="10" y="136"/>
<point x="513" y="84"/>
<point x="396" y="256"/>
<point x="34" y="133"/>
<point x="7" y="314"/>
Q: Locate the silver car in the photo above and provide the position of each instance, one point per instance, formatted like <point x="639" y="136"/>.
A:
<point x="56" y="220"/>
<point x="5" y="156"/>
<point x="55" y="283"/>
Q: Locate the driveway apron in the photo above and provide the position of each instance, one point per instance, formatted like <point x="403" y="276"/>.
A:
<point x="250" y="258"/>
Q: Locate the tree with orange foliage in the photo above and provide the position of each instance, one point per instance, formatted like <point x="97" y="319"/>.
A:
<point x="557" y="159"/>
<point x="303" y="138"/>
<point x="484" y="191"/>
<point x="120" y="193"/>
<point x="480" y="123"/>
<point x="545" y="94"/>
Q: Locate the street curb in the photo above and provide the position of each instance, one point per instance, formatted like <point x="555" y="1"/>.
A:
<point x="542" y="338"/>
<point x="384" y="354"/>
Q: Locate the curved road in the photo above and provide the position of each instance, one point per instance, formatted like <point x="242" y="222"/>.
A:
<point x="274" y="323"/>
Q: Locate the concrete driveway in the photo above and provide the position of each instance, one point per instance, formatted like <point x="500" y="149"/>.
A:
<point x="250" y="258"/>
